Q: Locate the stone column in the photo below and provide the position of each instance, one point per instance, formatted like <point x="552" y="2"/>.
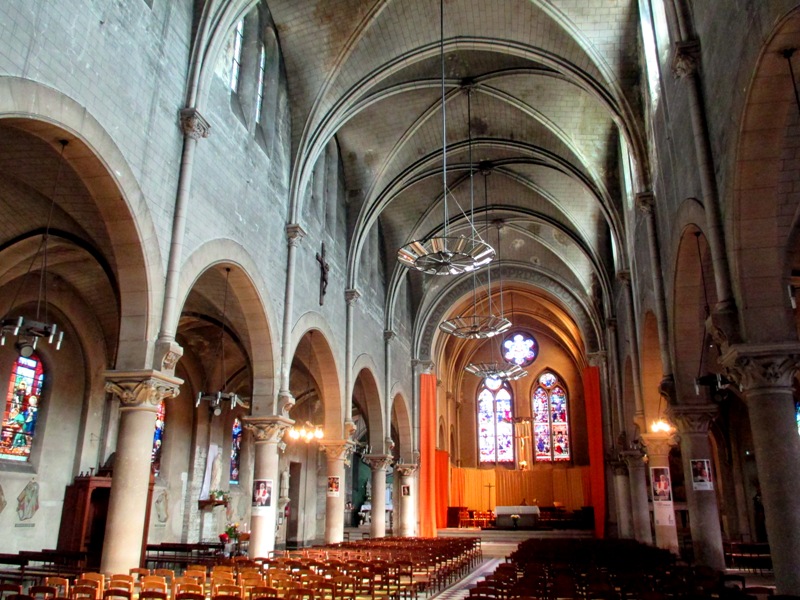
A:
<point x="294" y="235"/>
<point x="338" y="453"/>
<point x="378" y="463"/>
<point x="624" y="277"/>
<point x="622" y="491"/>
<point x="658" y="446"/>
<point x="406" y="505"/>
<point x="693" y="422"/>
<point x="168" y="352"/>
<point x="267" y="434"/>
<point x="139" y="394"/>
<point x="765" y="373"/>
<point x="351" y="297"/>
<point x="640" y="510"/>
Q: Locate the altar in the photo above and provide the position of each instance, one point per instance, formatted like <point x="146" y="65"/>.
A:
<point x="528" y="516"/>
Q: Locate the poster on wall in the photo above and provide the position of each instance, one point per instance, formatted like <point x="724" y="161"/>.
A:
<point x="406" y="490"/>
<point x="663" y="511"/>
<point x="262" y="495"/>
<point x="701" y="474"/>
<point x="333" y="487"/>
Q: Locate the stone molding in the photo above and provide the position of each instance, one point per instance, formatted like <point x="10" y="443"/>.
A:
<point x="624" y="277"/>
<point x="141" y="389"/>
<point x="338" y="449"/>
<point x="351" y="296"/>
<point x="754" y="366"/>
<point x="693" y="418"/>
<point x="658" y="444"/>
<point x="597" y="359"/>
<point x="267" y="429"/>
<point x="168" y="354"/>
<point x="685" y="58"/>
<point x="424" y="366"/>
<point x="285" y="402"/>
<point x="193" y="124"/>
<point x="294" y="234"/>
<point x="388" y="335"/>
<point x="378" y="462"/>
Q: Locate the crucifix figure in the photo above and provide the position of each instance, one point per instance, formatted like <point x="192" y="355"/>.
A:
<point x="324" y="267"/>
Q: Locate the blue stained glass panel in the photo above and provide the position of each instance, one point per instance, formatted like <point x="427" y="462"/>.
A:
<point x="540" y="405"/>
<point x="158" y="438"/>
<point x="505" y="428"/>
<point x="520" y="350"/>
<point x="23" y="401"/>
<point x="547" y="380"/>
<point x="236" y="448"/>
<point x="486" y="426"/>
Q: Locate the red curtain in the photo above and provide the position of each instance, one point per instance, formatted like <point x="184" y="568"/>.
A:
<point x="427" y="460"/>
<point x="594" y="424"/>
<point x="442" y="487"/>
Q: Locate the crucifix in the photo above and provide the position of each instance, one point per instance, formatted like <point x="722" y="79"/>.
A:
<point x="490" y="486"/>
<point x="324" y="267"/>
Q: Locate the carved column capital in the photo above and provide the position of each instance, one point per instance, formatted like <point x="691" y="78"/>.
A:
<point x="423" y="366"/>
<point x="658" y="444"/>
<point x="267" y="429"/>
<point x="620" y="467"/>
<point x="168" y="353"/>
<point x="378" y="462"/>
<point x="388" y="335"/>
<point x="624" y="277"/>
<point x="405" y="469"/>
<point x="693" y="418"/>
<point x="645" y="202"/>
<point x="141" y="389"/>
<point x="611" y="323"/>
<point x="338" y="449"/>
<point x="632" y="458"/>
<point x="755" y="366"/>
<point x="597" y="359"/>
<point x="685" y="58"/>
<point x="351" y="296"/>
<point x="294" y="234"/>
<point x="193" y="124"/>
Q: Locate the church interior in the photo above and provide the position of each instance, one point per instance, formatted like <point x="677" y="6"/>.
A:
<point x="276" y="272"/>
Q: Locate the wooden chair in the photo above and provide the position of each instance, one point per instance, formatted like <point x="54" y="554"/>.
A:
<point x="153" y="595"/>
<point x="153" y="583"/>
<point x="345" y="586"/>
<point x="60" y="583"/>
<point x="228" y="589"/>
<point x="189" y="596"/>
<point x="326" y="590"/>
<point x="225" y="597"/>
<point x="92" y="583"/>
<point x="263" y="591"/>
<point x="19" y="597"/>
<point x="99" y="578"/>
<point x="43" y="592"/>
<point x="300" y="593"/>
<point x="6" y="589"/>
<point x="78" y="591"/>
<point x="113" y="593"/>
<point x="167" y="574"/>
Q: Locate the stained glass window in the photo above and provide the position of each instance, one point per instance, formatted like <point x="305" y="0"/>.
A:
<point x="520" y="349"/>
<point x="495" y="426"/>
<point x="22" y="408"/>
<point x="262" y="65"/>
<point x="236" y="447"/>
<point x="158" y="438"/>
<point x="797" y="414"/>
<point x="550" y="419"/>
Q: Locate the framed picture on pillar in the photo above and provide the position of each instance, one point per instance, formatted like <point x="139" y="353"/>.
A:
<point x="262" y="493"/>
<point x="701" y="474"/>
<point x="406" y="490"/>
<point x="333" y="486"/>
<point x="660" y="483"/>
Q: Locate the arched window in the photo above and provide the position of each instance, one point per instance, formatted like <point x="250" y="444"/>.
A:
<point x="520" y="349"/>
<point x="22" y="408"/>
<point x="550" y="419"/>
<point x="495" y="428"/>
<point x="158" y="438"/>
<point x="236" y="448"/>
<point x="236" y="56"/>
<point x="262" y="66"/>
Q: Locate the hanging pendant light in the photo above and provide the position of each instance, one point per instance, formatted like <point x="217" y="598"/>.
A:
<point x="216" y="399"/>
<point x="474" y="325"/>
<point x="498" y="369"/>
<point x="29" y="331"/>
<point x="445" y="255"/>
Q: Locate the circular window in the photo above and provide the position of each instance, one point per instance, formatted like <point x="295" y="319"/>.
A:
<point x="520" y="349"/>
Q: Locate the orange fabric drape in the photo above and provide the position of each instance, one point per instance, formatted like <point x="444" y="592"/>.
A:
<point x="442" y="487"/>
<point x="457" y="485"/>
<point x="594" y="425"/>
<point x="427" y="459"/>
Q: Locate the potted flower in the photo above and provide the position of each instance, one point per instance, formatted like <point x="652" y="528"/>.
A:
<point x="515" y="521"/>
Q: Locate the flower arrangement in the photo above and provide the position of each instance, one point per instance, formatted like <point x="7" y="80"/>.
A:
<point x="231" y="533"/>
<point x="219" y="495"/>
<point x="515" y="520"/>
